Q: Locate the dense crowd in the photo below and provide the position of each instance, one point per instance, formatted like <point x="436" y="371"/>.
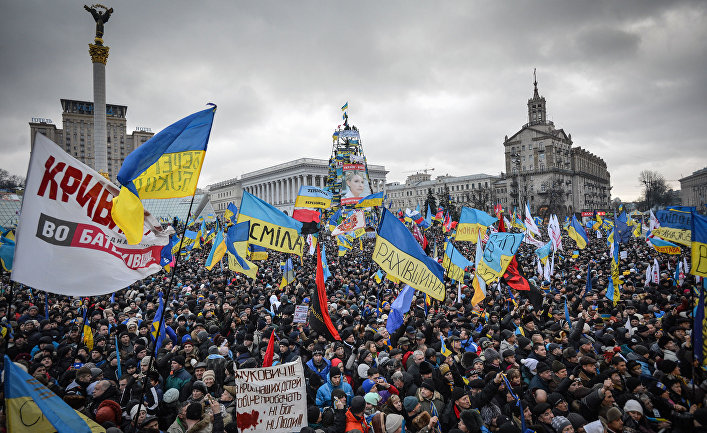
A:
<point x="516" y="360"/>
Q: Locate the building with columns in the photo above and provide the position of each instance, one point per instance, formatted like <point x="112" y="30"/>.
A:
<point x="474" y="190"/>
<point x="279" y="184"/>
<point x="693" y="189"/>
<point x="544" y="170"/>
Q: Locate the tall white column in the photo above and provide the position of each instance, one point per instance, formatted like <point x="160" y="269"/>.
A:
<point x="99" y="57"/>
<point x="277" y="192"/>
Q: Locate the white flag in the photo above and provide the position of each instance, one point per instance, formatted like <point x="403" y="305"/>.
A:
<point x="653" y="221"/>
<point x="649" y="273"/>
<point x="540" y="268"/>
<point x="529" y="222"/>
<point x="553" y="230"/>
<point x="67" y="241"/>
<point x="656" y="271"/>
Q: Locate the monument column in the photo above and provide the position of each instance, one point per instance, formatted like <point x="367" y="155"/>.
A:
<point x="99" y="57"/>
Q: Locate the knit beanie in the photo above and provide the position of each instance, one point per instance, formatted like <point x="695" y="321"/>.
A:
<point x="208" y="373"/>
<point x="393" y="422"/>
<point x="410" y="403"/>
<point x="560" y="422"/>
<point x="633" y="406"/>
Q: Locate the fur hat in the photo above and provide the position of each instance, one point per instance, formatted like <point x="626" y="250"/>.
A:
<point x="109" y="410"/>
<point x="472" y="420"/>
<point x="194" y="412"/>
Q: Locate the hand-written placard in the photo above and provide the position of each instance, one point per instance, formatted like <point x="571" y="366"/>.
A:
<point x="498" y="253"/>
<point x="300" y="314"/>
<point x="271" y="399"/>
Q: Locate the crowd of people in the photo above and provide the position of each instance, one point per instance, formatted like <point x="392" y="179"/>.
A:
<point x="558" y="358"/>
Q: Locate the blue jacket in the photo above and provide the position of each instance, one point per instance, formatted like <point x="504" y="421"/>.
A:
<point x="324" y="392"/>
<point x="324" y="372"/>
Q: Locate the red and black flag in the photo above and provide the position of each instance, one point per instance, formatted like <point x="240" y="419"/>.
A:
<point x="514" y="277"/>
<point x="319" y="319"/>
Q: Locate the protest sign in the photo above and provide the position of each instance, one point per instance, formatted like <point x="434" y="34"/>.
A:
<point x="300" y="314"/>
<point x="271" y="399"/>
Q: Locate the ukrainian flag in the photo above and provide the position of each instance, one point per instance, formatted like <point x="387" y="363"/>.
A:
<point x="32" y="407"/>
<point x="269" y="227"/>
<point x="166" y="166"/>
<point x="333" y="220"/>
<point x="345" y="106"/>
<point x="87" y="331"/>
<point x="313" y="197"/>
<point x="378" y="277"/>
<point x="576" y="232"/>
<point x="156" y="331"/>
<point x="699" y="245"/>
<point x="397" y="253"/>
<point x="454" y="262"/>
<point x="544" y="252"/>
<point x="470" y="221"/>
<point x="498" y="254"/>
<point x="663" y="246"/>
<point x="288" y="273"/>
<point x="7" y="253"/>
<point x="258" y="252"/>
<point x="443" y="347"/>
<point x="230" y="215"/>
<point x="371" y="200"/>
<point x="218" y="250"/>
<point x="325" y="266"/>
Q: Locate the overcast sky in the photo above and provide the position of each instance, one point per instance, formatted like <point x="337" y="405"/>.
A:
<point x="429" y="84"/>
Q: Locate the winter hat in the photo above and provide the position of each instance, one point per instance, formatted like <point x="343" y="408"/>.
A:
<point x="491" y="354"/>
<point x="458" y="393"/>
<point x="208" y="373"/>
<point x="372" y="398"/>
<point x="358" y="404"/>
<point x="367" y="385"/>
<point x="443" y="369"/>
<point x="363" y="370"/>
<point x="632" y="383"/>
<point x="558" y="366"/>
<point x="410" y="403"/>
<point x="540" y="408"/>
<point x="179" y="359"/>
<point x="560" y="422"/>
<point x="667" y="366"/>
<point x="334" y="371"/>
<point x="613" y="414"/>
<point x="200" y="386"/>
<point x="145" y="361"/>
<point x="393" y="422"/>
<point x="133" y="411"/>
<point x="109" y="410"/>
<point x="576" y="419"/>
<point x="230" y="389"/>
<point x="633" y="406"/>
<point x="472" y="420"/>
<point x="542" y="367"/>
<point x="194" y="411"/>
<point x="171" y="395"/>
<point x="427" y="385"/>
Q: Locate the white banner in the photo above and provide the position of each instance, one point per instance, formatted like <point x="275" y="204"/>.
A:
<point x="67" y="242"/>
<point x="271" y="399"/>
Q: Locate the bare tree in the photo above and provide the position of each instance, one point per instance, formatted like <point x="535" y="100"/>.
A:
<point x="655" y="189"/>
<point x="10" y="182"/>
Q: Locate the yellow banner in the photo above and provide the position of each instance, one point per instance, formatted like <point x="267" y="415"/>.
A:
<point x="407" y="269"/>
<point x="468" y="232"/>
<point x="699" y="259"/>
<point x="173" y="175"/>
<point x="359" y="232"/>
<point x="312" y="202"/>
<point x="674" y="235"/>
<point x="274" y="237"/>
<point x="489" y="274"/>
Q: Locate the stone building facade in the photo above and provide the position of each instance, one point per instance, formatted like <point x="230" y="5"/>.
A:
<point x="75" y="136"/>
<point x="544" y="170"/>
<point x="474" y="189"/>
<point x="693" y="189"/>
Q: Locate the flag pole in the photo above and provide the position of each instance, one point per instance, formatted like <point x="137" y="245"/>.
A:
<point x="168" y="293"/>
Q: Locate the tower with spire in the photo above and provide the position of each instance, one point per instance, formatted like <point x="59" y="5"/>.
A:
<point x="537" y="113"/>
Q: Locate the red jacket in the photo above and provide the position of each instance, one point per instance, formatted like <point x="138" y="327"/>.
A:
<point x="354" y="423"/>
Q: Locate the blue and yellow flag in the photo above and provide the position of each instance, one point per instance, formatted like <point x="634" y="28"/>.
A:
<point x="371" y="200"/>
<point x="544" y="252"/>
<point x="237" y="242"/>
<point x="7" y="253"/>
<point x="470" y="221"/>
<point x="269" y="227"/>
<point x="333" y="220"/>
<point x="229" y="216"/>
<point x="166" y="166"/>
<point x="613" y="292"/>
<point x="345" y="106"/>
<point x="576" y="232"/>
<point x="258" y="252"/>
<point x="325" y="266"/>
<point x="378" y="277"/>
<point x="288" y="273"/>
<point x="313" y="197"/>
<point x="218" y="250"/>
<point x="454" y="262"/>
<point x="32" y="407"/>
<point x="87" y="331"/>
<point x="699" y="245"/>
<point x="443" y="347"/>
<point x="498" y="253"/>
<point x="663" y="246"/>
<point x="156" y="331"/>
<point x="398" y="253"/>
<point x="699" y="338"/>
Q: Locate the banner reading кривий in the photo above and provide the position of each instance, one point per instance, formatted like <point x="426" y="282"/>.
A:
<point x="271" y="399"/>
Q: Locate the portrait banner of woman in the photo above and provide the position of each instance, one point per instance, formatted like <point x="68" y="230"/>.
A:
<point x="356" y="185"/>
